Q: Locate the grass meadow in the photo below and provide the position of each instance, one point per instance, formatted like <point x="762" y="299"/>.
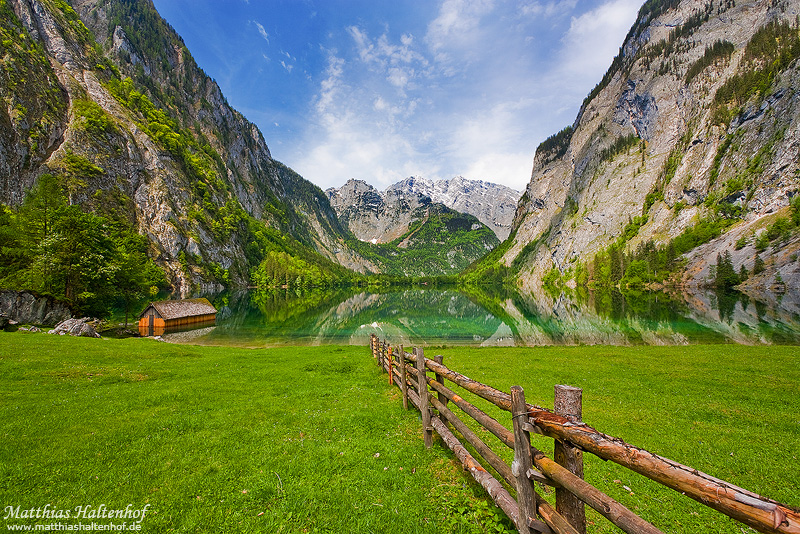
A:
<point x="312" y="439"/>
<point x="731" y="411"/>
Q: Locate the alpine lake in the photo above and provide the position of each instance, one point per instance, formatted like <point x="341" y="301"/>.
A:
<point x="481" y="317"/>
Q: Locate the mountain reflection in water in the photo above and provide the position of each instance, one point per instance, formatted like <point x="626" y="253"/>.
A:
<point x="433" y="317"/>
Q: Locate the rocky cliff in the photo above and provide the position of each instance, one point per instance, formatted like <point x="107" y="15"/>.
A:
<point x="27" y="308"/>
<point x="374" y="216"/>
<point x="105" y="95"/>
<point x="696" y="125"/>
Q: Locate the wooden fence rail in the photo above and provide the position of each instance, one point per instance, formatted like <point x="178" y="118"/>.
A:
<point x="528" y="510"/>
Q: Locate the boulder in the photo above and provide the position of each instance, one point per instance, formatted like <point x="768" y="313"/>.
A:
<point x="25" y="307"/>
<point x="77" y="327"/>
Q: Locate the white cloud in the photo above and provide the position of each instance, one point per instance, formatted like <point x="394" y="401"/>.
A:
<point x="380" y="54"/>
<point x="262" y="31"/>
<point x="473" y="98"/>
<point x="588" y="50"/>
<point x="554" y="8"/>
<point x="509" y="168"/>
<point x="494" y="143"/>
<point x="398" y="77"/>
<point x="331" y="85"/>
<point x="457" y="20"/>
<point x="365" y="48"/>
<point x="287" y="66"/>
<point x="348" y="148"/>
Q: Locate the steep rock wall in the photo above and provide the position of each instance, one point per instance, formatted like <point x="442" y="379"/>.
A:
<point x="647" y="142"/>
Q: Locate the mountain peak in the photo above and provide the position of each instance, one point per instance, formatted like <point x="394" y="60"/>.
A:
<point x="493" y="204"/>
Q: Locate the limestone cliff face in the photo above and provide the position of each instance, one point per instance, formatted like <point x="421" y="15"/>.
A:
<point x="374" y="216"/>
<point x="653" y="140"/>
<point x="181" y="176"/>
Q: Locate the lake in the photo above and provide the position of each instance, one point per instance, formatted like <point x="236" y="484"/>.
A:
<point x="433" y="317"/>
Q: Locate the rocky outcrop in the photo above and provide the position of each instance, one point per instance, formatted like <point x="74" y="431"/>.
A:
<point x="650" y="142"/>
<point x="373" y="216"/>
<point x="84" y="327"/>
<point x="25" y="307"/>
<point x="493" y="204"/>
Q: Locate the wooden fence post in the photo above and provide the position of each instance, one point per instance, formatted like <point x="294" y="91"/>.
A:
<point x="401" y="365"/>
<point x="523" y="460"/>
<point x="439" y="378"/>
<point x="424" y="404"/>
<point x="372" y="344"/>
<point x="389" y="366"/>
<point x="381" y="353"/>
<point x="568" y="402"/>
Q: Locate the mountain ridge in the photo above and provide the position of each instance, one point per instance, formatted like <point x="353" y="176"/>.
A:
<point x="411" y="234"/>
<point x="493" y="204"/>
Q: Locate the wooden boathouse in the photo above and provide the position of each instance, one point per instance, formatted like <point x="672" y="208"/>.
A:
<point x="167" y="314"/>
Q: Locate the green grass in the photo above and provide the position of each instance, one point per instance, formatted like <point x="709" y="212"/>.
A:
<point x="285" y="440"/>
<point x="731" y="411"/>
<point x="215" y="439"/>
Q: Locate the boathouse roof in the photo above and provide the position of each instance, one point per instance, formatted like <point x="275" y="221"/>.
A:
<point x="177" y="309"/>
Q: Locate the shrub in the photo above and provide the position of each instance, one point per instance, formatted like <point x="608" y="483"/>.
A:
<point x="762" y="242"/>
<point x="758" y="265"/>
<point x="794" y="207"/>
<point x="779" y="230"/>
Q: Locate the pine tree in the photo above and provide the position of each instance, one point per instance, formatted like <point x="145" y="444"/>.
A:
<point x="726" y="276"/>
<point x="758" y="265"/>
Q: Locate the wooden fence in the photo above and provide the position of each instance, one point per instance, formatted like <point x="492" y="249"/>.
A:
<point x="529" y="511"/>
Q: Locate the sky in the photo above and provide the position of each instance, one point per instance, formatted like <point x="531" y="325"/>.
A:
<point x="382" y="90"/>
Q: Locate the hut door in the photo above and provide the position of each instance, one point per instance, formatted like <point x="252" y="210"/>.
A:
<point x="150" y="324"/>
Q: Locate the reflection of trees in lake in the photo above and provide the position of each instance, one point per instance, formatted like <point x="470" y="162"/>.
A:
<point x="337" y="316"/>
<point x="726" y="303"/>
<point x="634" y="317"/>
<point x="277" y="306"/>
<point x="429" y="315"/>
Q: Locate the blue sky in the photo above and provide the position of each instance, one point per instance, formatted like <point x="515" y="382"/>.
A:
<point x="382" y="90"/>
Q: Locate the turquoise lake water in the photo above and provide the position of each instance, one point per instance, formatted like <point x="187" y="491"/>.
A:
<point x="429" y="317"/>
